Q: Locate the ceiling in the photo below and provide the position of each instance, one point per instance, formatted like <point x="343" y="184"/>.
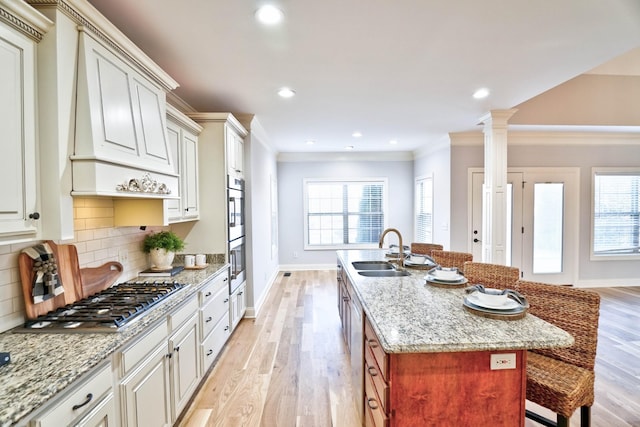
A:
<point x="393" y="70"/>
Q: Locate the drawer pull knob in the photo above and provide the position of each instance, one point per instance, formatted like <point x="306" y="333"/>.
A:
<point x="209" y="319"/>
<point x="372" y="371"/>
<point x="210" y="352"/>
<point x="177" y="348"/>
<point x="372" y="403"/>
<point x="226" y="328"/>
<point x="86" y="402"/>
<point x="372" y="343"/>
<point x="208" y="294"/>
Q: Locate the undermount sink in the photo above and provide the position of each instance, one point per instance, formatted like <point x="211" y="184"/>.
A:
<point x="384" y="273"/>
<point x="372" y="265"/>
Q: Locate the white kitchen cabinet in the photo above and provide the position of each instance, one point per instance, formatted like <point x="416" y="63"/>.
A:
<point x="160" y="372"/>
<point x="215" y="328"/>
<point x="238" y="305"/>
<point x="103" y="415"/>
<point x="184" y="351"/>
<point x="182" y="134"/>
<point x="145" y="392"/>
<point x="18" y="164"/>
<point x="81" y="402"/>
<point x="234" y="153"/>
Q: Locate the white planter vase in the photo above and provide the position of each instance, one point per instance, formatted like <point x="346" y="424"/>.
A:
<point x="161" y="259"/>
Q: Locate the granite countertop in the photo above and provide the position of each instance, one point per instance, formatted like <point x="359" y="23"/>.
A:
<point x="410" y="316"/>
<point x="43" y="364"/>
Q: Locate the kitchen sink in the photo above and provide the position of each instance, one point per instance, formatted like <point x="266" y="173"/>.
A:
<point x="372" y="265"/>
<point x="384" y="273"/>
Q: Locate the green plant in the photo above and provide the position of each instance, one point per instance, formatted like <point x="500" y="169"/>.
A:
<point x="164" y="239"/>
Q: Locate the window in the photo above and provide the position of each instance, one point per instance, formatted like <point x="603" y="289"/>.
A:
<point x="424" y="210"/>
<point x="616" y="213"/>
<point x="344" y="213"/>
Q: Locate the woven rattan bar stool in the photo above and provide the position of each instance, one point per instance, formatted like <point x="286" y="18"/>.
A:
<point x="491" y="275"/>
<point x="425" y="248"/>
<point x="451" y="259"/>
<point x="562" y="379"/>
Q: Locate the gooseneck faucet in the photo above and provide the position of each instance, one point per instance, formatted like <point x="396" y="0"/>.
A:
<point x="400" y="250"/>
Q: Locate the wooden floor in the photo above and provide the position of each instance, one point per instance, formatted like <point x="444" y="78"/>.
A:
<point x="289" y="366"/>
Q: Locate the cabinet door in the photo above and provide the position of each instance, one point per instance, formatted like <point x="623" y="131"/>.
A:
<point x="185" y="375"/>
<point x="238" y="305"/>
<point x="17" y="132"/>
<point x="145" y="393"/>
<point x="189" y="176"/>
<point x="174" y="211"/>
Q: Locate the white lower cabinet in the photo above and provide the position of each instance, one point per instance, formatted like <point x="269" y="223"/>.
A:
<point x="103" y="415"/>
<point x="157" y="384"/>
<point x="215" y="327"/>
<point x="238" y="305"/>
<point x="78" y="406"/>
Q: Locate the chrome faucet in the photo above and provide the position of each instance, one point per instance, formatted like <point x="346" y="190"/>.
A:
<point x="400" y="250"/>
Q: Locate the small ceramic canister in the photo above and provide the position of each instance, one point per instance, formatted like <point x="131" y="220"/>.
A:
<point x="189" y="260"/>
<point x="201" y="259"/>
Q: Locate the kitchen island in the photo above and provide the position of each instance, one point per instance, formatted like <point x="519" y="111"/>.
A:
<point x="428" y="361"/>
<point x="45" y="365"/>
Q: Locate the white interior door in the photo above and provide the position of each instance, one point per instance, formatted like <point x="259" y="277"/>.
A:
<point x="542" y="222"/>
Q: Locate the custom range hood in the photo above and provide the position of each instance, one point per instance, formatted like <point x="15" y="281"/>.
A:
<point x="121" y="148"/>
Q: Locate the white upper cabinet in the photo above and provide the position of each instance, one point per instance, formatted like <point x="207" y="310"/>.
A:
<point x="19" y="216"/>
<point x="183" y="142"/>
<point x="120" y="127"/>
<point x="235" y="153"/>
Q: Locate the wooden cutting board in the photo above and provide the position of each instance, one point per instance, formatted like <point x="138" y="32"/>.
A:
<point x="77" y="283"/>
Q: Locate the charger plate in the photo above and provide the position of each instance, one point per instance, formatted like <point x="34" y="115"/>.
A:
<point x="513" y="314"/>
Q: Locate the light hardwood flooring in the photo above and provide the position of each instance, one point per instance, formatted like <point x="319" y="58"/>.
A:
<point x="289" y="366"/>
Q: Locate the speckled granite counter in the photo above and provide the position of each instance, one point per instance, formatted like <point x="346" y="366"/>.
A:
<point x="43" y="364"/>
<point x="410" y="316"/>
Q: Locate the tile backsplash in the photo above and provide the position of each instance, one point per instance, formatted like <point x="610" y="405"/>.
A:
<point x="97" y="242"/>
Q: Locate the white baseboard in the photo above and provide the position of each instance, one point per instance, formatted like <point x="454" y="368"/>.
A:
<point x="252" y="312"/>
<point x="606" y="283"/>
<point x="300" y="267"/>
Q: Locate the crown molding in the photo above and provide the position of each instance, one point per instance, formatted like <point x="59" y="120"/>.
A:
<point x="25" y="19"/>
<point x="378" y="156"/>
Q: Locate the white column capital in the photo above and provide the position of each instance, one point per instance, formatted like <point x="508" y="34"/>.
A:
<point x="497" y="118"/>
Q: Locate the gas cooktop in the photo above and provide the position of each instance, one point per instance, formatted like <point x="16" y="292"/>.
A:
<point x="107" y="311"/>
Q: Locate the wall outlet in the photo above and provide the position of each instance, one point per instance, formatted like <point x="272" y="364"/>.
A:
<point x="123" y="256"/>
<point x="503" y="361"/>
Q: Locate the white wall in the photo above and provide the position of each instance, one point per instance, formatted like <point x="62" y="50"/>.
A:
<point x="291" y="207"/>
<point x="436" y="163"/>
<point x="262" y="262"/>
<point x="549" y="149"/>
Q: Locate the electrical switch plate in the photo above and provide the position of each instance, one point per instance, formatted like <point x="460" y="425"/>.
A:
<point x="503" y="361"/>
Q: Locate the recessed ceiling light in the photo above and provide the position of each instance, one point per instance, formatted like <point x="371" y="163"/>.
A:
<point x="481" y="93"/>
<point x="393" y="142"/>
<point x="356" y="134"/>
<point x="310" y="142"/>
<point x="285" y="92"/>
<point x="269" y="15"/>
<point x="349" y="147"/>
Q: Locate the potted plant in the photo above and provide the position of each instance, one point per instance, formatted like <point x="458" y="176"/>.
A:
<point x="162" y="247"/>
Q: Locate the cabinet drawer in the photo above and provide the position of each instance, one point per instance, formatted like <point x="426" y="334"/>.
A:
<point x="132" y="355"/>
<point x="214" y="342"/>
<point x="83" y="398"/>
<point x="373" y="345"/>
<point x="380" y="386"/>
<point x="210" y="314"/>
<point x="184" y="312"/>
<point x="213" y="287"/>
<point x="374" y="414"/>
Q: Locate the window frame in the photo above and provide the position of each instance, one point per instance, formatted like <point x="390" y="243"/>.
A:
<point x="422" y="179"/>
<point x="616" y="171"/>
<point x="385" y="210"/>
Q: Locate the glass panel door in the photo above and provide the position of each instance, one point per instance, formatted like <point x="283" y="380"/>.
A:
<point x="548" y="229"/>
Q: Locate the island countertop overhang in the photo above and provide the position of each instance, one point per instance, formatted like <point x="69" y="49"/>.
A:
<point x="410" y="316"/>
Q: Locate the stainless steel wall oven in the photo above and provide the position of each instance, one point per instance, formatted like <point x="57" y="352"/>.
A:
<point x="236" y="232"/>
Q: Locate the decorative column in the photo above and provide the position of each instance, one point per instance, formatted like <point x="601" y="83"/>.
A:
<point x="494" y="203"/>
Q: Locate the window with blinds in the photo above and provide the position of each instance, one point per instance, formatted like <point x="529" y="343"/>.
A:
<point x="616" y="213"/>
<point x="424" y="210"/>
<point x="345" y="213"/>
